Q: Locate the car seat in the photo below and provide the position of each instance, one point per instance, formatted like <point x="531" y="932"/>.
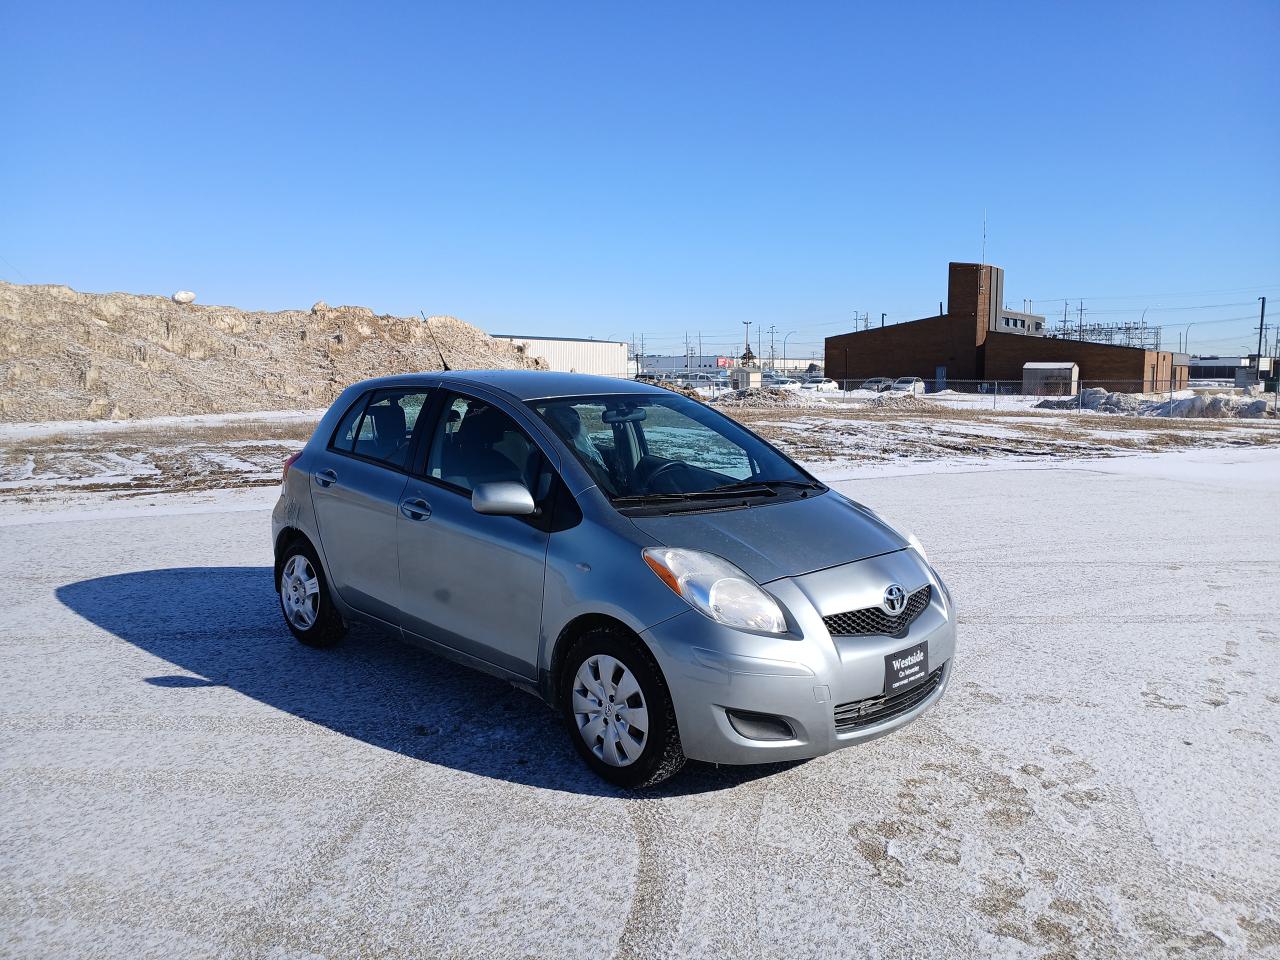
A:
<point x="389" y="431"/>
<point x="474" y="458"/>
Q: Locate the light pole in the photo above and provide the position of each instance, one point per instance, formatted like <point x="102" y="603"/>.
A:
<point x="784" y="347"/>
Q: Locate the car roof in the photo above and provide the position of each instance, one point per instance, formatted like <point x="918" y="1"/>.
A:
<point x="524" y="384"/>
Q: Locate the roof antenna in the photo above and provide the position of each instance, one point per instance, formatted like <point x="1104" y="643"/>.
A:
<point x="443" y="362"/>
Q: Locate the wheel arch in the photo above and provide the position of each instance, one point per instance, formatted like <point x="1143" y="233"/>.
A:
<point x="571" y="631"/>
<point x="287" y="536"/>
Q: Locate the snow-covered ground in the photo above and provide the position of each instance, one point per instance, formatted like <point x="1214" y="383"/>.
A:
<point x="75" y="464"/>
<point x="180" y="778"/>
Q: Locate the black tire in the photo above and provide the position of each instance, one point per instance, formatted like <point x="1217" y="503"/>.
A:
<point x="328" y="627"/>
<point x="661" y="756"/>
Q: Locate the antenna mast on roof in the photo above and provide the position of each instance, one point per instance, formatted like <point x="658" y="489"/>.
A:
<point x="443" y="362"/>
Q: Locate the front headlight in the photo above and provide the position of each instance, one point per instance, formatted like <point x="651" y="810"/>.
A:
<point x="917" y="546"/>
<point x="716" y="588"/>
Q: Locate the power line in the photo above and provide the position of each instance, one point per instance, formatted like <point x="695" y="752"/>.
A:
<point x="22" y="275"/>
<point x="1153" y="296"/>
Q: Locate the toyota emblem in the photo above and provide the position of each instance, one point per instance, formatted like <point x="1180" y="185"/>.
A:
<point x="895" y="600"/>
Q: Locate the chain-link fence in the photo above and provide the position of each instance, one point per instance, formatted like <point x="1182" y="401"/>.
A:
<point x="1165" y="397"/>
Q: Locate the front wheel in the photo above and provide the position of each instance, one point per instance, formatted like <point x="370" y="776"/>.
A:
<point x="618" y="709"/>
<point x="304" y="598"/>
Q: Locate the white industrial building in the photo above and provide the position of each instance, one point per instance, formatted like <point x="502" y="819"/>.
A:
<point x="679" y="363"/>
<point x="1240" y="371"/>
<point x="606" y="358"/>
<point x="713" y="363"/>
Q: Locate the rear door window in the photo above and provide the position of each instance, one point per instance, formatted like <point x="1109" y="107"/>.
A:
<point x="381" y="427"/>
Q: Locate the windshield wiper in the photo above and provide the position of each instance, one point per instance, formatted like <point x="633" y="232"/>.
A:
<point x="739" y="488"/>
<point x="717" y="493"/>
<point x="748" y="485"/>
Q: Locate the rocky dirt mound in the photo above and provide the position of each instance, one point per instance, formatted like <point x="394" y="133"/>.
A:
<point x="1218" y="406"/>
<point x="85" y="356"/>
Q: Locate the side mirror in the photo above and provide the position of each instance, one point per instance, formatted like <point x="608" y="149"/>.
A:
<point x="504" y="498"/>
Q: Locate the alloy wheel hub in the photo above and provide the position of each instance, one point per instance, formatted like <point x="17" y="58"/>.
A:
<point x="301" y="594"/>
<point x="610" y="711"/>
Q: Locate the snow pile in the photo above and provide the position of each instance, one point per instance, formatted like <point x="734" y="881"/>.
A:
<point x="901" y="401"/>
<point x="764" y="397"/>
<point x="1182" y="404"/>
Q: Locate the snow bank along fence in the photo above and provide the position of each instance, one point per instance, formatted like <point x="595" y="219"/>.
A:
<point x="1109" y="396"/>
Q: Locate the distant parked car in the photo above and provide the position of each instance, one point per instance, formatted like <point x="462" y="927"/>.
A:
<point x="777" y="382"/>
<point x="701" y="381"/>
<point x="820" y="385"/>
<point x="878" y="384"/>
<point x="908" y="385"/>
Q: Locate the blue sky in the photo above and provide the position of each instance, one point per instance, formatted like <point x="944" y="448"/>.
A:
<point x="613" y="169"/>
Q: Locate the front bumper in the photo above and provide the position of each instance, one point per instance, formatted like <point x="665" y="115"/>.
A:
<point x="805" y="674"/>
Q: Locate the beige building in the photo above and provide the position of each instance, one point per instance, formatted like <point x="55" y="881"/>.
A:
<point x="606" y="358"/>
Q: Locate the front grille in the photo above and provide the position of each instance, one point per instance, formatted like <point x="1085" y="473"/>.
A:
<point x="873" y="710"/>
<point x="872" y="621"/>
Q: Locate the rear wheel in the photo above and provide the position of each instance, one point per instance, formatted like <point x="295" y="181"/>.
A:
<point x="618" y="709"/>
<point x="304" y="598"/>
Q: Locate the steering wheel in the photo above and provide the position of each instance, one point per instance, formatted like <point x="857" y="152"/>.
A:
<point x="663" y="468"/>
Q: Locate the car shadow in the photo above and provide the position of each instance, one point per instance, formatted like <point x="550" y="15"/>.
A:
<point x="221" y="626"/>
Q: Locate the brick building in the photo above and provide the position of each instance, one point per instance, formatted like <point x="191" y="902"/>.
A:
<point x="973" y="341"/>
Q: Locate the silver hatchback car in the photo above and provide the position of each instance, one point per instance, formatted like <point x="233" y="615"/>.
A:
<point x="668" y="581"/>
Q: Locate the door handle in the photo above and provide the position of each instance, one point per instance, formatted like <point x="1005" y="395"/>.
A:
<point x="416" y="509"/>
<point x="326" y="478"/>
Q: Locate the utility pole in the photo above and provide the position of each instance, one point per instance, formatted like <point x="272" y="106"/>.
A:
<point x="773" y="348"/>
<point x="686" y="354"/>
<point x="1262" y="318"/>
<point x="699" y="349"/>
<point x="746" y="352"/>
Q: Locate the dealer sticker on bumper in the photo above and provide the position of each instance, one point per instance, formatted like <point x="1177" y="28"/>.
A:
<point x="904" y="669"/>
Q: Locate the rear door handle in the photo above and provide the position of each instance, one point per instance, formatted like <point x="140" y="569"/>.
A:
<point x="326" y="478"/>
<point x="416" y="509"/>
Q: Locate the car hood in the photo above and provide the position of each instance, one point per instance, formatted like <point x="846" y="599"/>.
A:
<point x="774" y="540"/>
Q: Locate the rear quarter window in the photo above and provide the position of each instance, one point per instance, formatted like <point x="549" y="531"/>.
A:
<point x="344" y="436"/>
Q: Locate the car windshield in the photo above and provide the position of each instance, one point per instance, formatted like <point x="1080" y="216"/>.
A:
<point x="659" y="447"/>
